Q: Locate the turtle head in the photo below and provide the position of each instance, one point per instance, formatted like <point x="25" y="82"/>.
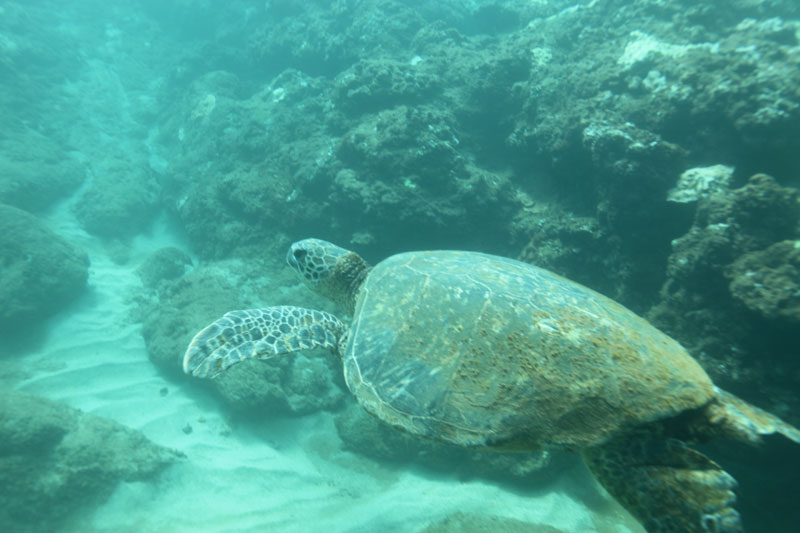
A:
<point x="314" y="259"/>
<point x="329" y="270"/>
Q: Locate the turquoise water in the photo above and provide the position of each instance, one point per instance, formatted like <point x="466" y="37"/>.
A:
<point x="157" y="159"/>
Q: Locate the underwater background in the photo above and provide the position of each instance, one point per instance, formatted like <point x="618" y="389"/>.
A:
<point x="157" y="158"/>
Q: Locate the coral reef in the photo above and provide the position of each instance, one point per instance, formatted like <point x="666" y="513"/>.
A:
<point x="768" y="281"/>
<point x="700" y="182"/>
<point x="624" y="144"/>
<point x="401" y="172"/>
<point x="375" y="84"/>
<point x="729" y="293"/>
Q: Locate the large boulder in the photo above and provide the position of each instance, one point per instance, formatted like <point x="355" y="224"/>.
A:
<point x="35" y="172"/>
<point x="364" y="434"/>
<point x="730" y="293"/>
<point x="768" y="281"/>
<point x="162" y="265"/>
<point x="41" y="272"/>
<point x="121" y="199"/>
<point x="56" y="461"/>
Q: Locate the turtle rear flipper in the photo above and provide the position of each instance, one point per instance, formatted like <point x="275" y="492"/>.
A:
<point x="667" y="486"/>
<point x="259" y="334"/>
<point x="736" y="419"/>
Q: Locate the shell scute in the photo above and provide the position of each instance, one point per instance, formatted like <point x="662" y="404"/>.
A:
<point x="483" y="350"/>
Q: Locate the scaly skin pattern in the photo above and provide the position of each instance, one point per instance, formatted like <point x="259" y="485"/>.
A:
<point x="667" y="486"/>
<point x="480" y="350"/>
<point x="330" y="271"/>
<point x="259" y="334"/>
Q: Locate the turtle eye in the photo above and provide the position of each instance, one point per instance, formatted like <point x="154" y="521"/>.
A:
<point x="299" y="254"/>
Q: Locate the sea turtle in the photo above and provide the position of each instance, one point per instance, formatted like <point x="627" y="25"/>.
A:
<point x="480" y="350"/>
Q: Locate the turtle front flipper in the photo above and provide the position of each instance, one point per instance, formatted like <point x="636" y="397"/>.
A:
<point x="667" y="486"/>
<point x="259" y="334"/>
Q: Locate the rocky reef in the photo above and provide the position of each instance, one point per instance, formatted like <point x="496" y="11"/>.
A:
<point x="57" y="462"/>
<point x="36" y="172"/>
<point x="730" y="291"/>
<point x="42" y="272"/>
<point x="121" y="199"/>
<point x="175" y="309"/>
<point x="631" y="156"/>
<point x="647" y="149"/>
<point x="362" y="433"/>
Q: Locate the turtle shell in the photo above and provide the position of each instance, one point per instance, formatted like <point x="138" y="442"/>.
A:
<point x="480" y="350"/>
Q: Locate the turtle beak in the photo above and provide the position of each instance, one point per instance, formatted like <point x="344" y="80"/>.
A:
<point x="297" y="259"/>
<point x="294" y="256"/>
<point x="290" y="259"/>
